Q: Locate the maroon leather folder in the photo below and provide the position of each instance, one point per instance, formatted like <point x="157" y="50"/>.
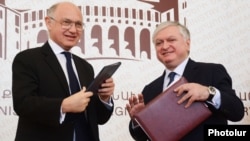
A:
<point x="163" y="119"/>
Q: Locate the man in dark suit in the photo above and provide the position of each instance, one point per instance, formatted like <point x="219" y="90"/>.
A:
<point x="42" y="97"/>
<point x="208" y="82"/>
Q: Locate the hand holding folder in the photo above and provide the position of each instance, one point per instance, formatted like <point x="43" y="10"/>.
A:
<point x="163" y="119"/>
<point x="106" y="72"/>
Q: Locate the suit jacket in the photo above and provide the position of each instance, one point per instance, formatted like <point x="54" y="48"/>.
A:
<point x="207" y="74"/>
<point x="39" y="86"/>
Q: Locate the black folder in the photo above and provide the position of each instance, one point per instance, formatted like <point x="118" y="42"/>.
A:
<point x="105" y="73"/>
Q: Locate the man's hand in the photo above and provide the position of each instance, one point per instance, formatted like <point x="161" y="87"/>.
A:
<point x="106" y="90"/>
<point x="193" y="92"/>
<point x="77" y="102"/>
<point x="135" y="105"/>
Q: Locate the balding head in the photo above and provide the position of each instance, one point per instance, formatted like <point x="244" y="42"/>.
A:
<point x="65" y="24"/>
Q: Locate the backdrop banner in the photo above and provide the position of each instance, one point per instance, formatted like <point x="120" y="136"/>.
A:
<point x="121" y="30"/>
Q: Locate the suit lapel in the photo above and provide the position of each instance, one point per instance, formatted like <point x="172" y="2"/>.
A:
<point x="190" y="71"/>
<point x="53" y="63"/>
<point x="79" y="71"/>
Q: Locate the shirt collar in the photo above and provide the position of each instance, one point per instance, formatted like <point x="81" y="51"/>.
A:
<point x="179" y="69"/>
<point x="55" y="47"/>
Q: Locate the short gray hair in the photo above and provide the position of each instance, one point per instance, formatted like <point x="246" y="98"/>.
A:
<point x="51" y="10"/>
<point x="183" y="29"/>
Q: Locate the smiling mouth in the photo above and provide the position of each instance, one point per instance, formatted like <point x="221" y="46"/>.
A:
<point x="71" y="37"/>
<point x="166" y="53"/>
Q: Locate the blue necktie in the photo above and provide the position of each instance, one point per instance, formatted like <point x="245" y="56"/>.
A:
<point x="73" y="82"/>
<point x="171" y="76"/>
<point x="81" y="125"/>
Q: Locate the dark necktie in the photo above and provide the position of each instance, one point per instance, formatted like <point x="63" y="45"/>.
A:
<point x="171" y="76"/>
<point x="73" y="82"/>
<point x="81" y="126"/>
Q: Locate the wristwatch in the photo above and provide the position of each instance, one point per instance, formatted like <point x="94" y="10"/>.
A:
<point x="212" y="92"/>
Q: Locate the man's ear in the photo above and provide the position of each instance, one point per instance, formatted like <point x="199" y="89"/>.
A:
<point x="47" y="21"/>
<point x="188" y="41"/>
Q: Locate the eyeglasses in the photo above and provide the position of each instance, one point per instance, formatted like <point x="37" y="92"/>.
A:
<point x="67" y="24"/>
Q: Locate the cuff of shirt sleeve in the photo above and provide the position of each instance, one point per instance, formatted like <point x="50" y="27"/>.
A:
<point x="108" y="104"/>
<point x="62" y="116"/>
